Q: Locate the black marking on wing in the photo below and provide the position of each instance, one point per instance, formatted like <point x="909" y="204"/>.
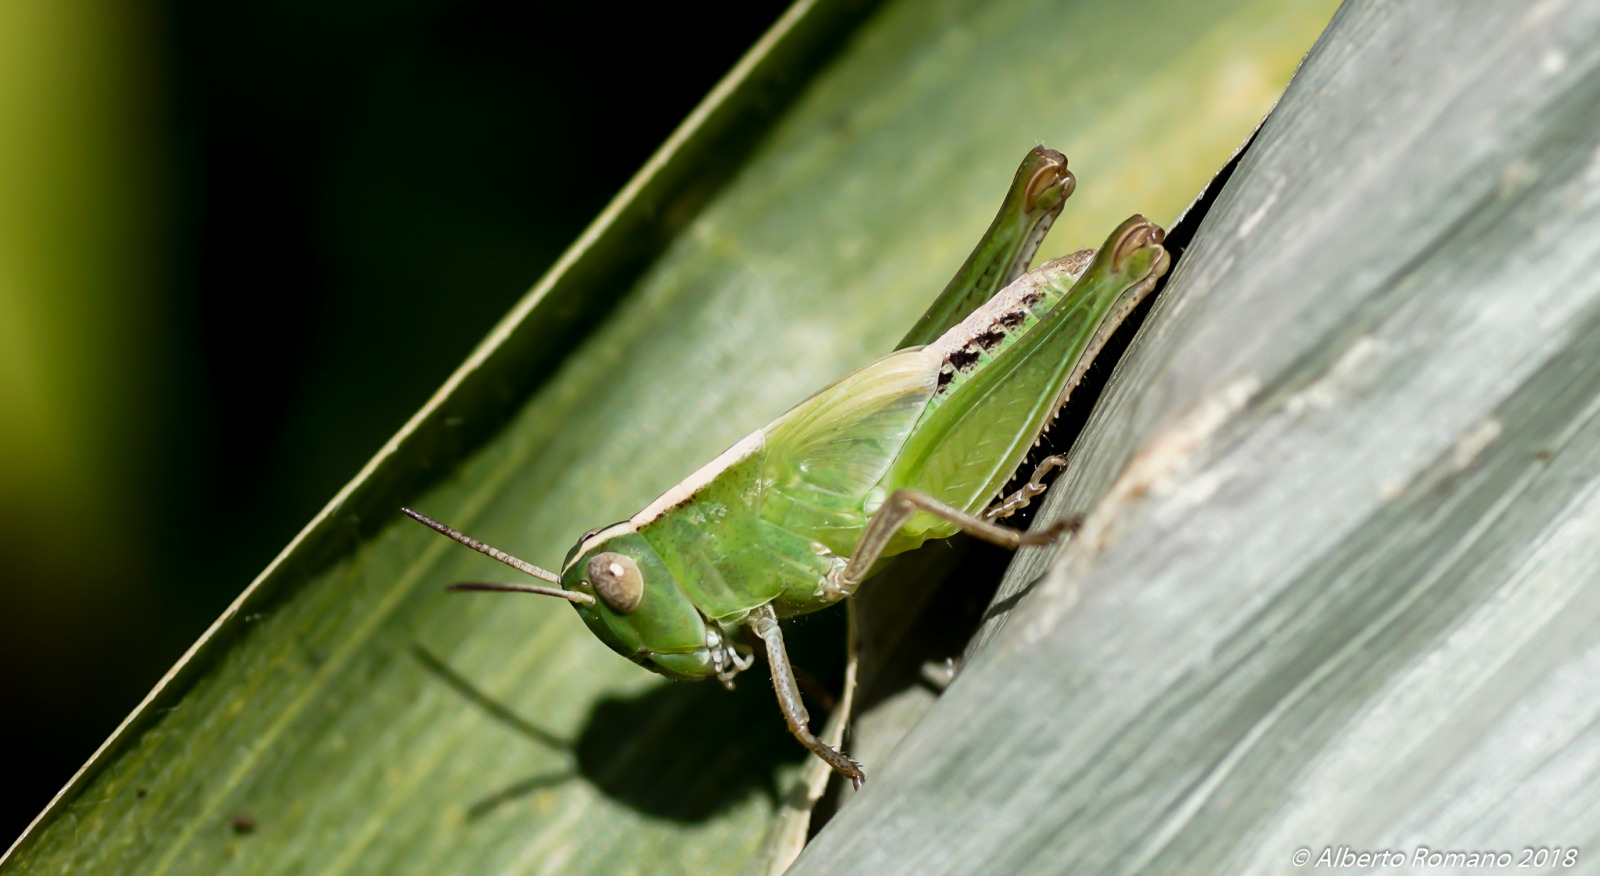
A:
<point x="989" y="338"/>
<point x="964" y="358"/>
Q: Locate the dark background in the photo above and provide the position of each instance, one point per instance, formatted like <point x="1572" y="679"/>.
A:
<point x="260" y="235"/>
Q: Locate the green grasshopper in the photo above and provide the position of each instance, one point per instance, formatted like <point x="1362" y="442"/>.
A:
<point x="912" y="447"/>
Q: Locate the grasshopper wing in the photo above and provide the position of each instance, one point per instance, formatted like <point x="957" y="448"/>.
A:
<point x="825" y="456"/>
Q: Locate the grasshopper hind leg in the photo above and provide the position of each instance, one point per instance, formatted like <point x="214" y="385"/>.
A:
<point x="903" y="503"/>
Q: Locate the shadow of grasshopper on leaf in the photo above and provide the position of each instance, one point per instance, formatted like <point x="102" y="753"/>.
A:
<point x="677" y="750"/>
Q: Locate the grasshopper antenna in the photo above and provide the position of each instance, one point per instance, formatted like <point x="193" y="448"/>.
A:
<point x="520" y="565"/>
<point x="580" y="598"/>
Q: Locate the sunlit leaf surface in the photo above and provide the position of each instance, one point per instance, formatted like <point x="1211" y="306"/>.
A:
<point x="1337" y="586"/>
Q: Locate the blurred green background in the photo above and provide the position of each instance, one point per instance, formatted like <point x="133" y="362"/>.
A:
<point x="239" y="244"/>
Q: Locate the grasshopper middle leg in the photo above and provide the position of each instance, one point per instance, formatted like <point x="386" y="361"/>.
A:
<point x="764" y="621"/>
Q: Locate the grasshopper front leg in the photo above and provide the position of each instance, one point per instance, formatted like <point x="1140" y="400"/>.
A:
<point x="764" y="622"/>
<point x="898" y="509"/>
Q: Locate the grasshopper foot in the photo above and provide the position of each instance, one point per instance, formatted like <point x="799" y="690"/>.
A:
<point x="1067" y="526"/>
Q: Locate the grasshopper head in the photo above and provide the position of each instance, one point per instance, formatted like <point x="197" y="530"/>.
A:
<point x="638" y="608"/>
<point x="626" y="595"/>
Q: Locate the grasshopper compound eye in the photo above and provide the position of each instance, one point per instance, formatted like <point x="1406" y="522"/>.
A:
<point x="617" y="579"/>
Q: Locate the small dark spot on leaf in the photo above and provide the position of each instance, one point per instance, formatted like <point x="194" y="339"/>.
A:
<point x="243" y="824"/>
<point x="1544" y="455"/>
<point x="141" y="793"/>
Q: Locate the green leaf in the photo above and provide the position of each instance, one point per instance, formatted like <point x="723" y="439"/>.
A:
<point x="346" y="715"/>
<point x="1336" y="588"/>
